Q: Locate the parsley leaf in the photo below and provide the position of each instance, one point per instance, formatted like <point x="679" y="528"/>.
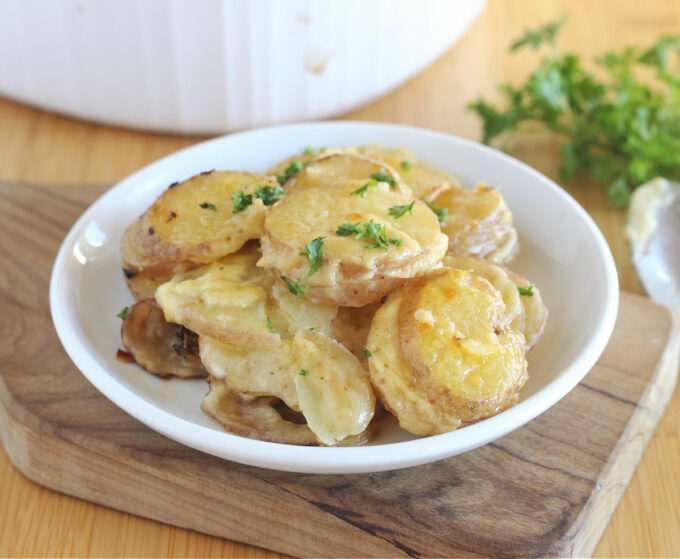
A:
<point x="441" y="213"/>
<point x="269" y="194"/>
<point x="621" y="126"/>
<point x="293" y="167"/>
<point x="241" y="201"/>
<point x="347" y="229"/>
<point x="382" y="176"/>
<point x="367" y="352"/>
<point x="364" y="189"/>
<point x="269" y="326"/>
<point x="406" y="165"/>
<point x="303" y="372"/>
<point x="123" y="313"/>
<point x="309" y="150"/>
<point x="315" y="254"/>
<point x="527" y="291"/>
<point x="208" y="206"/>
<point x="398" y="211"/>
<point x="295" y="287"/>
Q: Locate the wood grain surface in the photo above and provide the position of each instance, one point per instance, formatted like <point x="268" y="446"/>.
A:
<point x="549" y="488"/>
<point x="40" y="146"/>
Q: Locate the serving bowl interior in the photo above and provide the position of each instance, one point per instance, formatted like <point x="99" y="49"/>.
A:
<point x="562" y="252"/>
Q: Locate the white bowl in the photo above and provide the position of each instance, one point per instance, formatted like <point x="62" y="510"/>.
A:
<point x="562" y="252"/>
<point x="218" y="65"/>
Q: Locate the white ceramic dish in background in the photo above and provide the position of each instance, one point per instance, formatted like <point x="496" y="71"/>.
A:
<point x="562" y="251"/>
<point x="218" y="65"/>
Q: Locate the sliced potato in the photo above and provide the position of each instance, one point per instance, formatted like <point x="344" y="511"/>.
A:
<point x="338" y="168"/>
<point x="499" y="278"/>
<point x="334" y="396"/>
<point x="535" y="311"/>
<point x="426" y="182"/>
<point x="254" y="417"/>
<point x="334" y="392"/>
<point x="353" y="273"/>
<point x="440" y="355"/>
<point x="453" y="337"/>
<point x="163" y="349"/>
<point x="478" y="223"/>
<point x="195" y="220"/>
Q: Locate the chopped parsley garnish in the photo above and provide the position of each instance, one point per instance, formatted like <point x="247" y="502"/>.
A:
<point x="123" y="313"/>
<point x="292" y="168"/>
<point x="303" y="373"/>
<point x="208" y="206"/>
<point x="347" y="229"/>
<point x="295" y="287"/>
<point x="269" y="326"/>
<point x="364" y="189"/>
<point x="309" y="150"/>
<point x="398" y="211"/>
<point x="241" y="201"/>
<point x="382" y="176"/>
<point x="311" y="329"/>
<point x="374" y="232"/>
<point x="315" y="254"/>
<point x="406" y="165"/>
<point x="527" y="291"/>
<point x="441" y="213"/>
<point x="269" y="194"/>
<point x="367" y="352"/>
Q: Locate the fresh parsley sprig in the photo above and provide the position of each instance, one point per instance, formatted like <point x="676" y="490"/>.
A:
<point x="619" y="127"/>
<point x="293" y="167"/>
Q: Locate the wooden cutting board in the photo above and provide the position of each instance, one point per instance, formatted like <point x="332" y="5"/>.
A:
<point x="548" y="488"/>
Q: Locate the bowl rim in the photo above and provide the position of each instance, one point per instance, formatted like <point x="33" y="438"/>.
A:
<point x="323" y="459"/>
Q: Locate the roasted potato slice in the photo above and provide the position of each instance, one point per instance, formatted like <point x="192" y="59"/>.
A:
<point x="338" y="168"/>
<point x="311" y="373"/>
<point x="498" y="277"/>
<point x="197" y="220"/>
<point x="426" y="182"/>
<point x="355" y="271"/>
<point x="535" y="311"/>
<point x="163" y="349"/>
<point x="454" y="362"/>
<point x="254" y="417"/>
<point x="478" y="223"/>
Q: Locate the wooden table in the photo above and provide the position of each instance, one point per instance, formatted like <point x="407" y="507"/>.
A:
<point x="42" y="147"/>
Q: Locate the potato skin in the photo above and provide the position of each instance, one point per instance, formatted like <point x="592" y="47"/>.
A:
<point x="419" y="358"/>
<point x="195" y="220"/>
